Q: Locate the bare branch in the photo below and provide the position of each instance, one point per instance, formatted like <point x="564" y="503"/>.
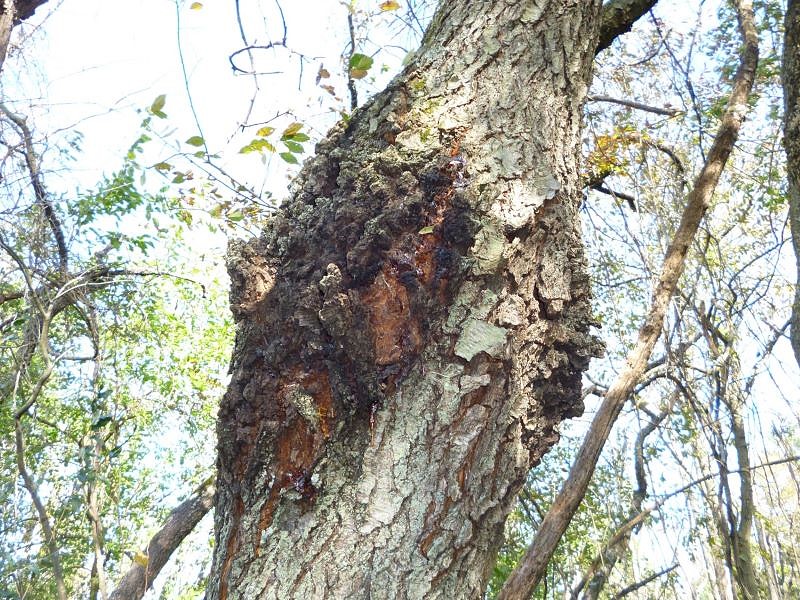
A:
<point x="533" y="565"/>
<point x="32" y="163"/>
<point x="640" y="584"/>
<point x="181" y="521"/>
<point x="668" y="112"/>
<point x="351" y="83"/>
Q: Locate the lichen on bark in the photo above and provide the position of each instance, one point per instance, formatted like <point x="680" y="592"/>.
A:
<point x="412" y="325"/>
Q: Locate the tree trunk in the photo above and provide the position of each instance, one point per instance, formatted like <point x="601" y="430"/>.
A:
<point x="414" y="322"/>
<point x="791" y="98"/>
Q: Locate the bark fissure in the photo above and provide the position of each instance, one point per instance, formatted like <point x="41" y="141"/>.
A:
<point x="413" y="323"/>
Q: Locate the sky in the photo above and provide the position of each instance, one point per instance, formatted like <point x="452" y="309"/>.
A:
<point x="93" y="63"/>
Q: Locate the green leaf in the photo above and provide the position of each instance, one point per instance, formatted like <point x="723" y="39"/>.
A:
<point x="157" y="106"/>
<point x="426" y="230"/>
<point x="298" y="137"/>
<point x="162" y="166"/>
<point x="289" y="158"/>
<point x="195" y="140"/>
<point x="294" y="146"/>
<point x="265" y="131"/>
<point x="360" y="62"/>
<point x="359" y="65"/>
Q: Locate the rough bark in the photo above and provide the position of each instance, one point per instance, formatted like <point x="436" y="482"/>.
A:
<point x="413" y="324"/>
<point x="180" y="523"/>
<point x="523" y="580"/>
<point x="618" y="17"/>
<point x="23" y="9"/>
<point x="791" y="97"/>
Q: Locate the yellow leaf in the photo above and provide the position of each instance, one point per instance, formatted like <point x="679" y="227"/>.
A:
<point x="292" y="129"/>
<point x="390" y="5"/>
<point x="141" y="559"/>
<point x="196" y="5"/>
<point x="265" y="131"/>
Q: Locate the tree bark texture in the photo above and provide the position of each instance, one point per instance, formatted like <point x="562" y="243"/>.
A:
<point x="791" y="98"/>
<point x="413" y="324"/>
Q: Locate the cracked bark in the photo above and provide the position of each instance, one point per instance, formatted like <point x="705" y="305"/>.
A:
<point x="533" y="565"/>
<point x="413" y="324"/>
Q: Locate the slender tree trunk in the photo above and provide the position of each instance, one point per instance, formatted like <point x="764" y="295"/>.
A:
<point x="413" y="324"/>
<point x="791" y="98"/>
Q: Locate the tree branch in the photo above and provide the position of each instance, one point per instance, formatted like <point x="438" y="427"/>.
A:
<point x="667" y="112"/>
<point x="32" y="163"/>
<point x="41" y="511"/>
<point x="181" y="521"/>
<point x="617" y="17"/>
<point x="640" y="584"/>
<point x="533" y="565"/>
<point x="23" y="9"/>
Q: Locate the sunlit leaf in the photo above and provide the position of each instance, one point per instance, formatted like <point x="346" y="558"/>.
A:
<point x="360" y="61"/>
<point x="265" y="131"/>
<point x="195" y="140"/>
<point x="291" y="130"/>
<point x="157" y="107"/>
<point x="389" y="5"/>
<point x="141" y="559"/>
<point x="196" y="5"/>
<point x="257" y="145"/>
<point x="359" y="65"/>
<point x="426" y="230"/>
